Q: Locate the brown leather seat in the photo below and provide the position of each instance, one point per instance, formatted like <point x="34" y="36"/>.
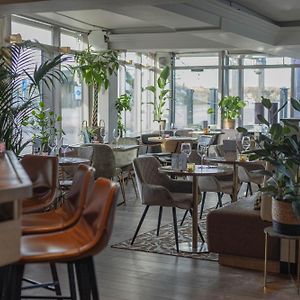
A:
<point x="75" y="245"/>
<point x="43" y="171"/>
<point x="70" y="211"/>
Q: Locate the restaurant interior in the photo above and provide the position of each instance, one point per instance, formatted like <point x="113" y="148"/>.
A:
<point x="149" y="149"/>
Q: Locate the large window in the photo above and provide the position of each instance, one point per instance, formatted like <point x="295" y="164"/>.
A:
<point x="196" y="91"/>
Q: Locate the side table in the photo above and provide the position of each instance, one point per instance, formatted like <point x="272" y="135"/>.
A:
<point x="269" y="232"/>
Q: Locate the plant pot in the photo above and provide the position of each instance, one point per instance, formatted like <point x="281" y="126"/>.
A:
<point x="228" y="124"/>
<point x="284" y="220"/>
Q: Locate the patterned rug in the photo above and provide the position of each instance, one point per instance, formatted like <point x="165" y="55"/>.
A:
<point x="165" y="242"/>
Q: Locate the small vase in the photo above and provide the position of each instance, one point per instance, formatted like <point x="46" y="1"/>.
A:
<point x="284" y="220"/>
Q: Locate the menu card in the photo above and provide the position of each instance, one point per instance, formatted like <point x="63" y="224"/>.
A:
<point x="179" y="161"/>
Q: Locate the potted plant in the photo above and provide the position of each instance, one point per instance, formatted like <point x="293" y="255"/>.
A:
<point x="123" y="104"/>
<point x="96" y="68"/>
<point x="163" y="96"/>
<point x="16" y="67"/>
<point x="280" y="148"/>
<point x="231" y="109"/>
<point x="45" y="124"/>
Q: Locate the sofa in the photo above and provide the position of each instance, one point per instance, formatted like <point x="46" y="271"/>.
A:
<point x="236" y="232"/>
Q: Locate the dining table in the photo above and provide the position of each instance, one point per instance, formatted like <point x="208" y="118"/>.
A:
<point x="199" y="170"/>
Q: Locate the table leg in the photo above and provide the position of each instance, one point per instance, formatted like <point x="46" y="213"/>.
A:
<point x="195" y="213"/>
<point x="266" y="259"/>
<point x="195" y="246"/>
<point x="235" y="182"/>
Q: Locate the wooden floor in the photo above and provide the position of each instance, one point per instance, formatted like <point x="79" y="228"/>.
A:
<point x="131" y="275"/>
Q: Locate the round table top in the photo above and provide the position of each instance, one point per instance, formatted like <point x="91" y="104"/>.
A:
<point x="68" y="161"/>
<point x="159" y="139"/>
<point x="223" y="160"/>
<point x="200" y="170"/>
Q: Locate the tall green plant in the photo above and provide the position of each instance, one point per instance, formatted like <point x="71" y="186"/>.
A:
<point x="96" y="68"/>
<point x="123" y="104"/>
<point x="163" y="94"/>
<point x="16" y="66"/>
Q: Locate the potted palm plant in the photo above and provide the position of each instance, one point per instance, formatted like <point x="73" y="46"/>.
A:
<point x="231" y="107"/>
<point x="280" y="147"/>
<point x="17" y="66"/>
<point x="163" y="96"/>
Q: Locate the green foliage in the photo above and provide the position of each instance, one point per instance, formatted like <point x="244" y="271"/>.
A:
<point x="231" y="107"/>
<point x="163" y="96"/>
<point x="45" y="124"/>
<point x="97" y="67"/>
<point x="16" y="66"/>
<point x="123" y="104"/>
<point x="280" y="146"/>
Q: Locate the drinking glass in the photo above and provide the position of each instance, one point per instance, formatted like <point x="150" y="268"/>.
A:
<point x="116" y="135"/>
<point x="64" y="148"/>
<point x="246" y="142"/>
<point x="102" y="134"/>
<point x="201" y="151"/>
<point x="52" y="144"/>
<point x="186" y="148"/>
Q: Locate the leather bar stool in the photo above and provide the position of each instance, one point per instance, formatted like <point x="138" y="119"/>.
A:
<point x="75" y="246"/>
<point x="43" y="172"/>
<point x="66" y="215"/>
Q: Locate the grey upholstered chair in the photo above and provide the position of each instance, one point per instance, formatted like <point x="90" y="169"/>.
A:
<point x="220" y="184"/>
<point x="158" y="189"/>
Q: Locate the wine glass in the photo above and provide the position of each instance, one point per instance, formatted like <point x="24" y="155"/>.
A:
<point x="172" y="127"/>
<point x="102" y="134"/>
<point x="116" y="135"/>
<point x="64" y="148"/>
<point x="246" y="142"/>
<point x="52" y="144"/>
<point x="186" y="148"/>
<point x="201" y="151"/>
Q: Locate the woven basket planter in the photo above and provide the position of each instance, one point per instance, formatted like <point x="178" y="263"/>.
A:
<point x="284" y="221"/>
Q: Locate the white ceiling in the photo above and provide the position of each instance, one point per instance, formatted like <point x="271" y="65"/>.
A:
<point x="178" y="25"/>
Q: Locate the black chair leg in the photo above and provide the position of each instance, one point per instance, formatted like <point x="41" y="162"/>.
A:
<point x="184" y="216"/>
<point x="202" y="204"/>
<point x="199" y="230"/>
<point x="175" y="228"/>
<point x="259" y="186"/>
<point x="55" y="279"/>
<point x="15" y="282"/>
<point x="140" y="224"/>
<point x="220" y="195"/>
<point x="93" y="280"/>
<point x="72" y="281"/>
<point x="83" y="279"/>
<point x="247" y="189"/>
<point x="159" y="220"/>
<point x="250" y="188"/>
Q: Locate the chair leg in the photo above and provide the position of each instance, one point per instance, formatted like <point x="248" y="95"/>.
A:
<point x="159" y="220"/>
<point x="83" y="279"/>
<point x="184" y="216"/>
<point x="93" y="280"/>
<point x="72" y="281"/>
<point x="134" y="184"/>
<point x="15" y="282"/>
<point x="247" y="190"/>
<point x="220" y="195"/>
<point x="199" y="230"/>
<point x="122" y="186"/>
<point x="250" y="188"/>
<point x="202" y="204"/>
<point x="140" y="224"/>
<point x="259" y="186"/>
<point x="55" y="279"/>
<point x="175" y="228"/>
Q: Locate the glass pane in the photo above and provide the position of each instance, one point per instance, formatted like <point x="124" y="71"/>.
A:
<point x="71" y="95"/>
<point x="73" y="41"/>
<point x="195" y="93"/>
<point x="29" y="32"/>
